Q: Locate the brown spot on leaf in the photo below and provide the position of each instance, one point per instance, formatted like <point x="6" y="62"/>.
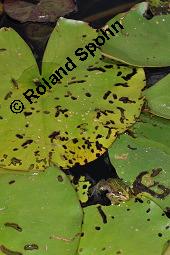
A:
<point x="139" y="187"/>
<point x="16" y="161"/>
<point x="19" y="136"/>
<point x="11" y="182"/>
<point x="131" y="148"/>
<point x="15" y="83"/>
<point x="31" y="247"/>
<point x="88" y="94"/>
<point x="46" y="112"/>
<point x="54" y="135"/>
<point x="13" y="225"/>
<point x="126" y="100"/>
<point x="97" y="228"/>
<point x="60" y="178"/>
<point x="8" y="95"/>
<point x="156" y="171"/>
<point x="7" y="251"/>
<point x="26" y="143"/>
<point x="102" y="214"/>
<point x="106" y="94"/>
<point x="78" y="81"/>
<point x="27" y="113"/>
<point x="108" y="66"/>
<point x="96" y="69"/>
<point x="125" y="84"/>
<point x="130" y="75"/>
<point x="114" y="96"/>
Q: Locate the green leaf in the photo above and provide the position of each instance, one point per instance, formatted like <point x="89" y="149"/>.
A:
<point x="166" y="250"/>
<point x="142" y="42"/>
<point x="76" y="120"/>
<point x="66" y="38"/>
<point x="158" y="98"/>
<point x="142" y="157"/>
<point x="39" y="212"/>
<point x="15" y="56"/>
<point x="82" y="188"/>
<point x="130" y="228"/>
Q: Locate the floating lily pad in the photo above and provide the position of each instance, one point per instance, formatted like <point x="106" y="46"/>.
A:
<point x="142" y="42"/>
<point x="38" y="11"/>
<point x="158" y="98"/>
<point x="142" y="157"/>
<point x="130" y="228"/>
<point x="82" y="187"/>
<point x="74" y="121"/>
<point x="39" y="213"/>
<point x="166" y="250"/>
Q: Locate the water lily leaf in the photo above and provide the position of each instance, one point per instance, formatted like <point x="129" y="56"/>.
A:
<point x="66" y="38"/>
<point x="158" y="98"/>
<point x="142" y="157"/>
<point x="142" y="42"/>
<point x="38" y="11"/>
<point x="91" y="71"/>
<point x="15" y="56"/>
<point x="166" y="250"/>
<point x="33" y="216"/>
<point x="130" y="228"/>
<point x="76" y="120"/>
<point x="82" y="187"/>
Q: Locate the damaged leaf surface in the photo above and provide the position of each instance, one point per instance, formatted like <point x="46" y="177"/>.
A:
<point x="131" y="228"/>
<point x="76" y="120"/>
<point x="142" y="157"/>
<point x="33" y="217"/>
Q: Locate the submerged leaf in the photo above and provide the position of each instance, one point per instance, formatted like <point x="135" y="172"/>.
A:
<point x="147" y="163"/>
<point x="159" y="6"/>
<point x="142" y="42"/>
<point x="78" y="118"/>
<point x="130" y="228"/>
<point x="33" y="216"/>
<point x="158" y="98"/>
<point x="40" y="11"/>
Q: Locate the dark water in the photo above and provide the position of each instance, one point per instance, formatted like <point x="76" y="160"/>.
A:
<point x="97" y="13"/>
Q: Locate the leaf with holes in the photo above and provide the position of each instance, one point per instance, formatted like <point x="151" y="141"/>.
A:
<point x="142" y="42"/>
<point x="82" y="186"/>
<point x="142" y="157"/>
<point x="74" y="119"/>
<point x="130" y="228"/>
<point x="33" y="216"/>
<point x="158" y="98"/>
